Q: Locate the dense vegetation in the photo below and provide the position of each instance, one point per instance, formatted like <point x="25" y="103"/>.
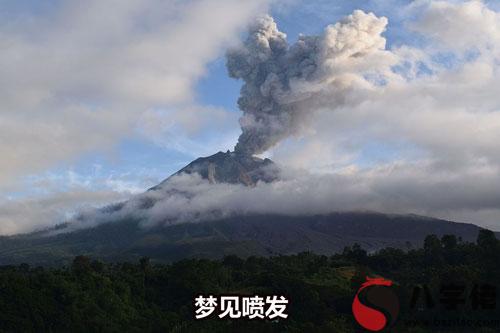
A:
<point x="90" y="296"/>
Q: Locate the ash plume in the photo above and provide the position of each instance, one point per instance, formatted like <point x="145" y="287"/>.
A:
<point x="284" y="84"/>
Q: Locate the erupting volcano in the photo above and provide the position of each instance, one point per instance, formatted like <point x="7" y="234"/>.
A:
<point x="230" y="167"/>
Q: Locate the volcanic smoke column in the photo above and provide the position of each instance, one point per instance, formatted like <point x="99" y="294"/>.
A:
<point x="285" y="83"/>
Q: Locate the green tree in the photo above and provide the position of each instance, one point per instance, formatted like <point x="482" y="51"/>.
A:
<point x="449" y="242"/>
<point x="486" y="240"/>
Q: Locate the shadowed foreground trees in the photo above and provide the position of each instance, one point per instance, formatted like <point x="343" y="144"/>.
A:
<point x="147" y="297"/>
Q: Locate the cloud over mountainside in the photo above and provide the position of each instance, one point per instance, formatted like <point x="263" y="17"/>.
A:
<point x="342" y="91"/>
<point x="398" y="128"/>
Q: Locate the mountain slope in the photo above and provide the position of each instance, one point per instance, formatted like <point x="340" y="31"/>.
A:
<point x="245" y="235"/>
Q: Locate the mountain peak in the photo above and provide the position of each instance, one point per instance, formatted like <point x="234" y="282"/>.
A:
<point x="231" y="167"/>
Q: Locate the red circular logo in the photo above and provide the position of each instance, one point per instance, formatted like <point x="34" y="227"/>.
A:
<point x="375" y="305"/>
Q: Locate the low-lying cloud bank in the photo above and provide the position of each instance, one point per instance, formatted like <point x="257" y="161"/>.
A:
<point x="40" y="212"/>
<point x="389" y="189"/>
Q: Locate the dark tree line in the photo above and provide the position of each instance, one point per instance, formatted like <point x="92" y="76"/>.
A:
<point x="92" y="296"/>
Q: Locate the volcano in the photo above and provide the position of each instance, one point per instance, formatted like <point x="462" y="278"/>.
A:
<point x="230" y="167"/>
<point x="125" y="238"/>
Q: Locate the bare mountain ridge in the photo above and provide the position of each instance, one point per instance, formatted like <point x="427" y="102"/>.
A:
<point x="232" y="168"/>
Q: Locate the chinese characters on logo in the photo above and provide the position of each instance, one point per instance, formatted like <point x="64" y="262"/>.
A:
<point x="251" y="307"/>
<point x="452" y="296"/>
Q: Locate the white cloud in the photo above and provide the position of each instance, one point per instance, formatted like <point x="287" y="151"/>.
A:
<point x="38" y="212"/>
<point x="77" y="78"/>
<point x="193" y="130"/>
<point x="52" y="198"/>
<point x="395" y="188"/>
<point x="460" y="26"/>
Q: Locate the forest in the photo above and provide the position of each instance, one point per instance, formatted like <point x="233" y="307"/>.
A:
<point x="448" y="285"/>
